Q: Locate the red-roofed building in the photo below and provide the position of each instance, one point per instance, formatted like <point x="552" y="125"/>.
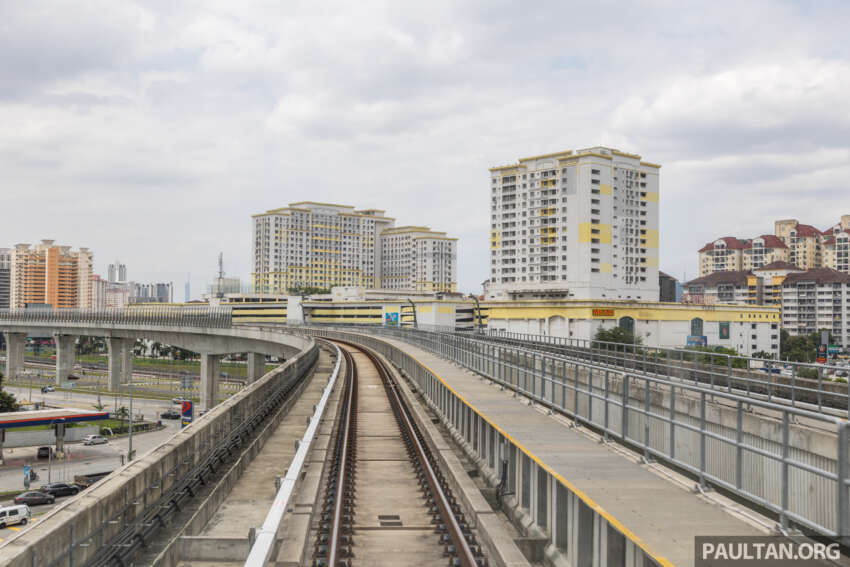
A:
<point x="836" y="251"/>
<point x="723" y="255"/>
<point x="804" y="243"/>
<point x="817" y="299"/>
<point x="763" y="250"/>
<point x="801" y="245"/>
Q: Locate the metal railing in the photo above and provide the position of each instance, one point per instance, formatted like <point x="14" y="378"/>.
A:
<point x="201" y="316"/>
<point x="799" y="384"/>
<point x="754" y="449"/>
<point x="579" y="528"/>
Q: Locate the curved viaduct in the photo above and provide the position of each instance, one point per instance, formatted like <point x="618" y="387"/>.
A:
<point x="208" y="333"/>
<point x="125" y="509"/>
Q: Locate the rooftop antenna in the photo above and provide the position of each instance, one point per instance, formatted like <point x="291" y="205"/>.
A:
<point x="220" y="290"/>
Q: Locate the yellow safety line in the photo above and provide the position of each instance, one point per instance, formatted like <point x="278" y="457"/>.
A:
<point x="13" y="528"/>
<point x="578" y="492"/>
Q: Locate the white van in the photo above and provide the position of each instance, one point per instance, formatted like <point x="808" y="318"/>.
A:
<point x="11" y="515"/>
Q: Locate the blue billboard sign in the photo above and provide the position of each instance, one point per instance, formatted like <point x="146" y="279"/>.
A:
<point x="391" y="319"/>
<point x="697" y="340"/>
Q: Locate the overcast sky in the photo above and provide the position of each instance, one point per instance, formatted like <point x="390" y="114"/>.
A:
<point x="151" y="131"/>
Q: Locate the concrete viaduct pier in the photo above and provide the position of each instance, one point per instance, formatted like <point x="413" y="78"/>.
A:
<point x="202" y="330"/>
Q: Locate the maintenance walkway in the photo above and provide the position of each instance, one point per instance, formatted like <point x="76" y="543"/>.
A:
<point x="661" y="513"/>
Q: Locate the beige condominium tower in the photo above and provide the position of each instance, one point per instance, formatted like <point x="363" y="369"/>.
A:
<point x="581" y="224"/>
<point x="310" y="244"/>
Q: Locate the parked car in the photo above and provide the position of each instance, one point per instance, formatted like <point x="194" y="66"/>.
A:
<point x="34" y="498"/>
<point x="60" y="489"/>
<point x="170" y="414"/>
<point x="94" y="440"/>
<point x="45" y="389"/>
<point x="43" y="453"/>
<point x="17" y="514"/>
<point x="179" y="401"/>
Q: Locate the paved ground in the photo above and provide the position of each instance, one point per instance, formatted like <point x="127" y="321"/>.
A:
<point x="663" y="514"/>
<point x="80" y="459"/>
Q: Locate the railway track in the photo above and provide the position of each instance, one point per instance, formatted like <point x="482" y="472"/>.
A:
<point x="386" y="502"/>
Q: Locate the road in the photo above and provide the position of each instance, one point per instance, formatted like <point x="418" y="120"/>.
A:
<point x="80" y="459"/>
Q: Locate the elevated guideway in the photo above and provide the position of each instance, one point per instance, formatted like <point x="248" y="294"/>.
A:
<point x="562" y="481"/>
<point x="109" y="523"/>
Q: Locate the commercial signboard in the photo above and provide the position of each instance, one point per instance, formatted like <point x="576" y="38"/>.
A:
<point x="186" y="413"/>
<point x="696" y="340"/>
<point x="822" y="354"/>
<point x="391" y="319"/>
<point x="605" y="313"/>
<point x="724" y="330"/>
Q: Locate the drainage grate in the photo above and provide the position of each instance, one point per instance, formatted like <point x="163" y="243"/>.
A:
<point x="389" y="520"/>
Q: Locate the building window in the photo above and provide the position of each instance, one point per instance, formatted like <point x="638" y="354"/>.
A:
<point x="696" y="327"/>
<point x="627" y="324"/>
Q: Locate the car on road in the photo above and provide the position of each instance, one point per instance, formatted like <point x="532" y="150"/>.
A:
<point x="34" y="498"/>
<point x="43" y="453"/>
<point x="60" y="489"/>
<point x="46" y="389"/>
<point x="178" y="400"/>
<point x="17" y="514"/>
<point x="170" y="414"/>
<point x="94" y="440"/>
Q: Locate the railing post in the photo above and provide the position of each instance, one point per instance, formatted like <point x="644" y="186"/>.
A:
<point x="702" y="406"/>
<point x="646" y="412"/>
<point x="739" y="447"/>
<point x="843" y="468"/>
<point x="786" y="434"/>
<point x="625" y="412"/>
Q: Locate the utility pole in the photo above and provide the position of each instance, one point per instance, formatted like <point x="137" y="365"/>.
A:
<point x="130" y="446"/>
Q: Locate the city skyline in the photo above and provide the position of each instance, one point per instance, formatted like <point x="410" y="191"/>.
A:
<point x="156" y="149"/>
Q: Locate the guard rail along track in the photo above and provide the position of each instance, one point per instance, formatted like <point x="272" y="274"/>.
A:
<point x="576" y="525"/>
<point x="336" y="543"/>
<point x="107" y="524"/>
<point x="786" y="462"/>
<point x="713" y="370"/>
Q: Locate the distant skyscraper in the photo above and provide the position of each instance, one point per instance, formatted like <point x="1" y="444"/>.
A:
<point x="50" y="274"/>
<point x="5" y="276"/>
<point x="117" y="272"/>
<point x="188" y="289"/>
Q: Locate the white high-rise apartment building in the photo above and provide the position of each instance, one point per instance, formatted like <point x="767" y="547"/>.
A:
<point x="580" y="224"/>
<point x="418" y="258"/>
<point x="817" y="299"/>
<point x="309" y="244"/>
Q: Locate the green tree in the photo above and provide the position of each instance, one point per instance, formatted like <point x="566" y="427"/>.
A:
<point x="122" y="413"/>
<point x="617" y="335"/>
<point x="308" y="290"/>
<point x="801" y="348"/>
<point x="7" y="401"/>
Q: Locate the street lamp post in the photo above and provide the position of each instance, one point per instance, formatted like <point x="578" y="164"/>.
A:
<point x="476" y="319"/>
<point x="412" y="306"/>
<point x="130" y="445"/>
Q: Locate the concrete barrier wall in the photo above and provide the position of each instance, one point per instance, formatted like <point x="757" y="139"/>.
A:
<point x="185" y="546"/>
<point x="75" y="532"/>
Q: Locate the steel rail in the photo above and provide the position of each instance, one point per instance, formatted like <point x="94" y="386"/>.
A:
<point x="462" y="548"/>
<point x="342" y="458"/>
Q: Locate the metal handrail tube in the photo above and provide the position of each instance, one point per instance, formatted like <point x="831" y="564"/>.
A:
<point x="264" y="543"/>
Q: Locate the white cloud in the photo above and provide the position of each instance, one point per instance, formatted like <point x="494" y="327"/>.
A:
<point x="152" y="131"/>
